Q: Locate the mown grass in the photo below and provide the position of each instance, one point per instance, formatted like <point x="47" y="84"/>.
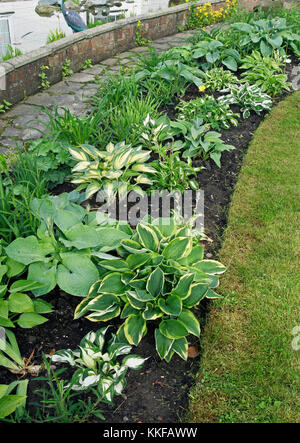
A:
<point x="249" y="370"/>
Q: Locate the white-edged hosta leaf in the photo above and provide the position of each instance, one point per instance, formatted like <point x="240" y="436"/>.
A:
<point x="133" y="361"/>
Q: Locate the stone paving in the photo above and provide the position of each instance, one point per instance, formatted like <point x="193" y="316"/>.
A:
<point x="25" y="120"/>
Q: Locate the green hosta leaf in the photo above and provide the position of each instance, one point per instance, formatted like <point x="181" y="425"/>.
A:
<point x="211" y="294"/>
<point x="172" y="305"/>
<point x="211" y="267"/>
<point x="82" y="237"/>
<point x="111" y="313"/>
<point x="162" y="344"/>
<point x="198" y="292"/>
<point x="103" y="303"/>
<point x="30" y="319"/>
<point x="42" y="307"/>
<point x="165" y="225"/>
<point x="3" y="270"/>
<point x="29" y="250"/>
<point x="151" y="312"/>
<point x="115" y="265"/>
<point x="135" y="303"/>
<point x="230" y="63"/>
<point x="183" y="287"/>
<point x="6" y="323"/>
<point x="132" y="246"/>
<point x="196" y="254"/>
<point x="177" y="248"/>
<point x="9" y="403"/>
<point x="45" y="274"/>
<point x="65" y="219"/>
<point x="4" y="308"/>
<point x="19" y="302"/>
<point x="24" y="285"/>
<point x="155" y="282"/>
<point x="134" y="328"/>
<point x="141" y="295"/>
<point x="76" y="274"/>
<point x="190" y="322"/>
<point x="173" y="329"/>
<point x="111" y="238"/>
<point x="148" y="237"/>
<point x="128" y="310"/>
<point x="180" y="346"/>
<point x="112" y="284"/>
<point x="135" y="261"/>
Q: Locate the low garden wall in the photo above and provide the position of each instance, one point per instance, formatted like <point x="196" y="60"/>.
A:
<point x="22" y="73"/>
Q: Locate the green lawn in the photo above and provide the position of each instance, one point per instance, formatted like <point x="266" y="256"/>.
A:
<point x="249" y="370"/>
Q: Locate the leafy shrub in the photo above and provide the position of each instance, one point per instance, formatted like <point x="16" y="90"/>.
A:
<point x="160" y="275"/>
<point x="55" y="35"/>
<point x="248" y="97"/>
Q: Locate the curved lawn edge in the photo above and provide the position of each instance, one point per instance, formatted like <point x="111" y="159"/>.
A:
<point x="250" y="365"/>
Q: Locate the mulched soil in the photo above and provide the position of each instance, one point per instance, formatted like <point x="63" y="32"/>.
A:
<point x="158" y="393"/>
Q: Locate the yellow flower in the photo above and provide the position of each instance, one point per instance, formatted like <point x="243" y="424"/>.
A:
<point x="202" y="88"/>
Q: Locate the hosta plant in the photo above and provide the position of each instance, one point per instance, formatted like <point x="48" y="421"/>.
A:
<point x="160" y="276"/>
<point x="119" y="166"/>
<point x="97" y="364"/>
<point x="66" y="247"/>
<point x="217" y="114"/>
<point x="218" y="78"/>
<point x="248" y="97"/>
<point x="211" y="53"/>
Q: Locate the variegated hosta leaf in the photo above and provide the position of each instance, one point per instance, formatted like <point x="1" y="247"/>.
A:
<point x="84" y="379"/>
<point x="64" y="356"/>
<point x="133" y="361"/>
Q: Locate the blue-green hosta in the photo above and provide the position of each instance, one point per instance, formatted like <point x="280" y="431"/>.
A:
<point x="98" y="364"/>
<point x="111" y="170"/>
<point x="159" y="276"/>
<point x="67" y="245"/>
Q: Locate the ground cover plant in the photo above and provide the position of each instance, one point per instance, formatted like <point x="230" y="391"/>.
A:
<point x="66" y="268"/>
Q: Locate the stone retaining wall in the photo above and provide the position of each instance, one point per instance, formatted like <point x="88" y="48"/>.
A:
<point x="21" y="73"/>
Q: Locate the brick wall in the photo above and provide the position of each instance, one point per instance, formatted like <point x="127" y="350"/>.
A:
<point x="97" y="44"/>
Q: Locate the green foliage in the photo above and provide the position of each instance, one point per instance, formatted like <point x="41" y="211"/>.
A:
<point x="55" y="35"/>
<point x="217" y="114"/>
<point x="45" y="84"/>
<point x="64" y="126"/>
<point x="111" y="170"/>
<point x="10" y="356"/>
<point x="218" y="78"/>
<point x="18" y="188"/>
<point x="140" y="39"/>
<point x="11" y="53"/>
<point x="212" y="53"/>
<point x="16" y="307"/>
<point x="97" y="364"/>
<point x="160" y="275"/>
<point x="5" y="106"/>
<point x="267" y="36"/>
<point x="266" y="73"/>
<point x="53" y="158"/>
<point x="66" y="71"/>
<point x="248" y="97"/>
<point x="13" y="403"/>
<point x="87" y="64"/>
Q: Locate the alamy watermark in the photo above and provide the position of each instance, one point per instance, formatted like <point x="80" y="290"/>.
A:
<point x="2" y="79"/>
<point x="134" y="207"/>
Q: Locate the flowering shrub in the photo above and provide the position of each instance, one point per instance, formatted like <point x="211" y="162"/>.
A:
<point x="206" y="15"/>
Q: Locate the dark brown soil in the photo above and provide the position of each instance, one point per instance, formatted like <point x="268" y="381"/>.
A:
<point x="159" y="392"/>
